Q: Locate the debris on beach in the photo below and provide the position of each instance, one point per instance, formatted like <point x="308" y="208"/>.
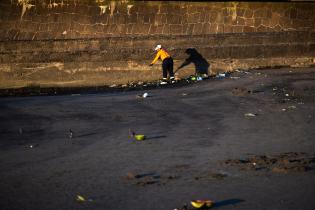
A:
<point x="292" y="107"/>
<point x="282" y="163"/>
<point x="235" y="77"/>
<point x="70" y="134"/>
<point x="144" y="95"/>
<point x="138" y="137"/>
<point x="80" y="198"/>
<point x="198" y="204"/>
<point x="250" y="115"/>
<point x="31" y="146"/>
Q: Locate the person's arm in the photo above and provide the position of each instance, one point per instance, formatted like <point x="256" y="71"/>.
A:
<point x="156" y="57"/>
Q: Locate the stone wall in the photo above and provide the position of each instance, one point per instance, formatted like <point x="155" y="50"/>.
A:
<point x="93" y="42"/>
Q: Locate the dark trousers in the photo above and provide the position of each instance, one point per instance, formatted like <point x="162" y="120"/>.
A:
<point x="167" y="66"/>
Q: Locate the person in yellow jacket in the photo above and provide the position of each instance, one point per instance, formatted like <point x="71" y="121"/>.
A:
<point x="167" y="63"/>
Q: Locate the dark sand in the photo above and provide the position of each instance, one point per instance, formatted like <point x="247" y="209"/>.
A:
<point x="200" y="145"/>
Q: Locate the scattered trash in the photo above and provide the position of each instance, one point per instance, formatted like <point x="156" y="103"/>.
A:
<point x="199" y="78"/>
<point x="235" y="77"/>
<point x="138" y="137"/>
<point x="113" y="85"/>
<point x="250" y="115"/>
<point x="31" y="146"/>
<point x="80" y="198"/>
<point x="184" y="94"/>
<point x="70" y="134"/>
<point x="221" y="75"/>
<point x="292" y="107"/>
<point x="287" y="95"/>
<point x="202" y="203"/>
<point x="144" y="95"/>
<point x="275" y="88"/>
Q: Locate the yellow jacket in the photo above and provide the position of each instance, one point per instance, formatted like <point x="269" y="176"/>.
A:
<point x="161" y="54"/>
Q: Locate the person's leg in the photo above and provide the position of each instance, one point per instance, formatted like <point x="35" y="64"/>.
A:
<point x="164" y="68"/>
<point x="170" y="68"/>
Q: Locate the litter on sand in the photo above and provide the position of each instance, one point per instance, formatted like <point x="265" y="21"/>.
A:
<point x="138" y="137"/>
<point x="144" y="95"/>
<point x="292" y="107"/>
<point x="250" y="115"/>
<point x="198" y="204"/>
<point x="80" y="198"/>
<point x="33" y="145"/>
<point x="221" y="75"/>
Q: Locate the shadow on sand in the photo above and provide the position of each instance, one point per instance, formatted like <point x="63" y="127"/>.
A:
<point x="227" y="202"/>
<point x="155" y="137"/>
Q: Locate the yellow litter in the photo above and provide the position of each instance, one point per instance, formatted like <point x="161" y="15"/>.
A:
<point x="80" y="198"/>
<point x="202" y="204"/>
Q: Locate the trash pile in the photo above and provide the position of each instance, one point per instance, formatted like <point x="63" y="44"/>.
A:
<point x="132" y="85"/>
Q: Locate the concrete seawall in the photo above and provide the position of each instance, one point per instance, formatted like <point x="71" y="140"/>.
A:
<point x="71" y="43"/>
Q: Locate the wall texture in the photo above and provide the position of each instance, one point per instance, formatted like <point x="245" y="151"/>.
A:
<point x="95" y="42"/>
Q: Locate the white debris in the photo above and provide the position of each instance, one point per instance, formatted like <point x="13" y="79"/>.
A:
<point x="250" y="115"/>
